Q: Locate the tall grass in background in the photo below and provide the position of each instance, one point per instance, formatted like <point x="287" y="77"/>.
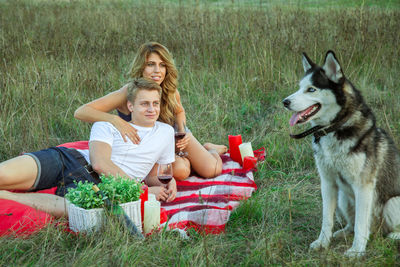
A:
<point x="236" y="61"/>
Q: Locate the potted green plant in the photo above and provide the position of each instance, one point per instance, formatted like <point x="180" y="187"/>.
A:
<point x="85" y="207"/>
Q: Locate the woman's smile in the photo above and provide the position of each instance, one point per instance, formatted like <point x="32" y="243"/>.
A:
<point x="155" y="68"/>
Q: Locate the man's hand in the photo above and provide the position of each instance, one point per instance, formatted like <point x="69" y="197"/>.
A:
<point x="160" y="192"/>
<point x="171" y="190"/>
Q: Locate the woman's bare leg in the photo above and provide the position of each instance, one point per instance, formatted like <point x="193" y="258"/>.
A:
<point x="18" y="173"/>
<point x="206" y="163"/>
<point x="181" y="168"/>
<point x="51" y="204"/>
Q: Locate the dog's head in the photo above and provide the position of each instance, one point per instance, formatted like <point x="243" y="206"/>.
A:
<point x="320" y="96"/>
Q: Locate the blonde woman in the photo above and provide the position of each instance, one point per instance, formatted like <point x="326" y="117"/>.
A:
<point x="155" y="62"/>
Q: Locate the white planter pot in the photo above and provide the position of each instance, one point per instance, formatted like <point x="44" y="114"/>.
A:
<point x="81" y="220"/>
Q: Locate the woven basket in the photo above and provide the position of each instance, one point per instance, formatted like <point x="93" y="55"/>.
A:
<point x="81" y="220"/>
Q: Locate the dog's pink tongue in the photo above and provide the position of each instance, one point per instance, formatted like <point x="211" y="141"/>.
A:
<point x="294" y="118"/>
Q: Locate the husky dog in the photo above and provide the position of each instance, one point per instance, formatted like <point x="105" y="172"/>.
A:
<point x="358" y="163"/>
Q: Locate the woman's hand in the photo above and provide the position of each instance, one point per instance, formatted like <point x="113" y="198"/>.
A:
<point x="183" y="143"/>
<point x="160" y="192"/>
<point x="126" y="130"/>
<point x="171" y="190"/>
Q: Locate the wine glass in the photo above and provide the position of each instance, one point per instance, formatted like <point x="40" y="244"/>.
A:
<point x="164" y="173"/>
<point x="179" y="135"/>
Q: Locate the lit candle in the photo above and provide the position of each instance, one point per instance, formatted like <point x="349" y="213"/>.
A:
<point x="246" y="150"/>
<point x="151" y="214"/>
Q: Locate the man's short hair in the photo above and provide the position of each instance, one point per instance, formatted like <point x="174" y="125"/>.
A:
<point x="137" y="84"/>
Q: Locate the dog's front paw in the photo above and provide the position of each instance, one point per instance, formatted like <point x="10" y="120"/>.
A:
<point x="354" y="253"/>
<point x="318" y="244"/>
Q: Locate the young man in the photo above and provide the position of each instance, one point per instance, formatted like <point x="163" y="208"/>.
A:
<point x="108" y="154"/>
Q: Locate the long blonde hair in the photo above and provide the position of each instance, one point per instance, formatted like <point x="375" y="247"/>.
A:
<point x="168" y="100"/>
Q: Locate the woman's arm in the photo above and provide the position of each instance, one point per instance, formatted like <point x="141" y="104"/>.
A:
<point x="98" y="109"/>
<point x="180" y="115"/>
<point x="180" y="120"/>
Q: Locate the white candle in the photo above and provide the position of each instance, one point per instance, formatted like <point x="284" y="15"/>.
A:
<point x="151" y="218"/>
<point x="246" y="150"/>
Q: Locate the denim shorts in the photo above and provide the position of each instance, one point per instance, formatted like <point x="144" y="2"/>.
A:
<point x="58" y="167"/>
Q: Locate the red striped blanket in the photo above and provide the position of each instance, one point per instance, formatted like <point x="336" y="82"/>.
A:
<point x="206" y="204"/>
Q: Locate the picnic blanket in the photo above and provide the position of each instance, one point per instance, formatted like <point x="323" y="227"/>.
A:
<point x="206" y="204"/>
<point x="201" y="204"/>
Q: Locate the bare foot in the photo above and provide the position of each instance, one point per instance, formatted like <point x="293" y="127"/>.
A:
<point x="221" y="149"/>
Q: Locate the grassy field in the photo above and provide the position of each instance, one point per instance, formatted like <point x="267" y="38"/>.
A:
<point x="237" y="60"/>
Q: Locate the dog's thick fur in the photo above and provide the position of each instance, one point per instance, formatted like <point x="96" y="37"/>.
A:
<point x="358" y="163"/>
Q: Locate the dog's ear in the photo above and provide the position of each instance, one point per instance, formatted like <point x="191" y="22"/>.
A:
<point x="307" y="63"/>
<point x="332" y="67"/>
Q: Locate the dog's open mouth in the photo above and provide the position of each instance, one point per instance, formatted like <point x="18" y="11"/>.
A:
<point x="303" y="116"/>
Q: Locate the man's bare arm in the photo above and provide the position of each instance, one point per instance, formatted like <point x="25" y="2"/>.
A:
<point x="100" y="158"/>
<point x="151" y="178"/>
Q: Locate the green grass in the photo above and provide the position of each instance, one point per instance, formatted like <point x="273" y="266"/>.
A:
<point x="236" y="61"/>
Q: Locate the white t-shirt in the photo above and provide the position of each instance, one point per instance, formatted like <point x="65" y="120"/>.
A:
<point x="157" y="145"/>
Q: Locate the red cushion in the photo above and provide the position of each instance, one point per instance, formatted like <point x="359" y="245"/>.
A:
<point x="21" y="220"/>
<point x="77" y="145"/>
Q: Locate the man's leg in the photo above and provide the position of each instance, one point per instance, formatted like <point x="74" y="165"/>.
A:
<point x="21" y="173"/>
<point x="18" y="173"/>
<point x="51" y="204"/>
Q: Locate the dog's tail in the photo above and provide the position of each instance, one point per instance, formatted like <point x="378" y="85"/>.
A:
<point x="391" y="215"/>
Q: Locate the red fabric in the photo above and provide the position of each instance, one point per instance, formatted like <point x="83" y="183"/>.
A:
<point x="21" y="220"/>
<point x="201" y="204"/>
<point x="77" y="145"/>
<point x="260" y="154"/>
<point x="163" y="215"/>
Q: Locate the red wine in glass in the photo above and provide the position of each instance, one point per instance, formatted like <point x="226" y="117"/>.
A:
<point x="179" y="136"/>
<point x="165" y="179"/>
<point x="164" y="173"/>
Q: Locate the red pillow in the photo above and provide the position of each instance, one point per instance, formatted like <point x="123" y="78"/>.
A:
<point x="21" y="220"/>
